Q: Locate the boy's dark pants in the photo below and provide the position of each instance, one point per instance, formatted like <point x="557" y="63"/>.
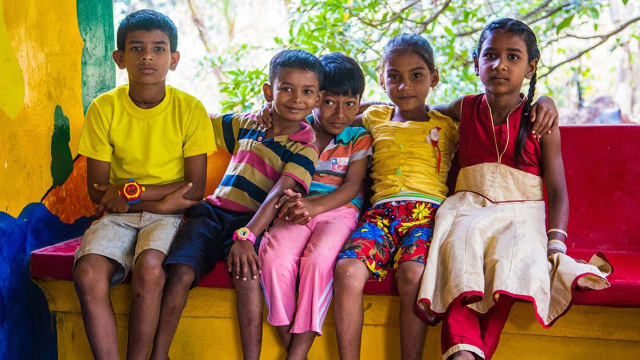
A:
<point x="205" y="237"/>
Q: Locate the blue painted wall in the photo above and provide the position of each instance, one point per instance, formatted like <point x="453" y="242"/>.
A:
<point x="27" y="330"/>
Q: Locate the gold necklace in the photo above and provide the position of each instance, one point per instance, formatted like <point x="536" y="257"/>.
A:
<point x="495" y="139"/>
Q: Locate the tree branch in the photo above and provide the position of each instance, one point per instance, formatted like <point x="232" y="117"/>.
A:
<point x="549" y="13"/>
<point x="434" y="16"/>
<point x="203" y="36"/>
<point x="391" y="19"/>
<point x="199" y="25"/>
<point x="603" y="39"/>
<point x="535" y="11"/>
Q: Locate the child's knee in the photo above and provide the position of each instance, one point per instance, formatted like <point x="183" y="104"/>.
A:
<point x="90" y="279"/>
<point x="148" y="276"/>
<point x="270" y="260"/>
<point x="181" y="275"/>
<point x="247" y="287"/>
<point x="317" y="262"/>
<point x="409" y="277"/>
<point x="350" y="274"/>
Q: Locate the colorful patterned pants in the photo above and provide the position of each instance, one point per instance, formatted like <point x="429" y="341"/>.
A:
<point x="391" y="233"/>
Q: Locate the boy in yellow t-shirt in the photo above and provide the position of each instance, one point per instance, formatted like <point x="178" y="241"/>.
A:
<point x="146" y="145"/>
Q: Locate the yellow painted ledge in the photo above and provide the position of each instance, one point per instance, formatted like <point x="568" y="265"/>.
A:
<point x="209" y="330"/>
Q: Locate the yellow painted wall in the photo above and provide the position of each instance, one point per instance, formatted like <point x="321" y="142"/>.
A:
<point x="40" y="54"/>
<point x="208" y="330"/>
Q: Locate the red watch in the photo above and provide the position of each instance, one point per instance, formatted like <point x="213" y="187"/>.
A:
<point x="131" y="191"/>
<point x="244" y="234"/>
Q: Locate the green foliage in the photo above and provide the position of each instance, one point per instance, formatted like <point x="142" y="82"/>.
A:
<point x="360" y="29"/>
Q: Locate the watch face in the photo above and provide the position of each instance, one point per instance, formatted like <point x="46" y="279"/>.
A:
<point x="243" y="233"/>
<point x="131" y="190"/>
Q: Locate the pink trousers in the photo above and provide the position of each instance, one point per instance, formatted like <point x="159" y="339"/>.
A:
<point x="310" y="251"/>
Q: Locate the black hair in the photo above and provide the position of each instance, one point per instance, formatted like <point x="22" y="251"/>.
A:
<point x="342" y="75"/>
<point x="148" y="20"/>
<point x="295" y="59"/>
<point x="526" y="34"/>
<point x="405" y="43"/>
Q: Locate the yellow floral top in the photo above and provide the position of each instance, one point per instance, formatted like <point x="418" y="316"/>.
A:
<point x="411" y="159"/>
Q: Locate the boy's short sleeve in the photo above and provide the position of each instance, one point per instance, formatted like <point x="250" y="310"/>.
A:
<point x="226" y="128"/>
<point x="199" y="136"/>
<point x="362" y="145"/>
<point x="94" y="137"/>
<point x="301" y="166"/>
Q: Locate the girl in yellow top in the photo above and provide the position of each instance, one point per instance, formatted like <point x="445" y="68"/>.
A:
<point x="413" y="149"/>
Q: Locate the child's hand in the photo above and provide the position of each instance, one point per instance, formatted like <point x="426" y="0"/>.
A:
<point x="243" y="260"/>
<point x="111" y="200"/>
<point x="175" y="201"/>
<point x="296" y="209"/>
<point x="263" y="117"/>
<point x="544" y="116"/>
<point x="288" y="199"/>
<point x="301" y="211"/>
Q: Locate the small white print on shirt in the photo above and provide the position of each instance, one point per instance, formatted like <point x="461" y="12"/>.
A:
<point x="339" y="164"/>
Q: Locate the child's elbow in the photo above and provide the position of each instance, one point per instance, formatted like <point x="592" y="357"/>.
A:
<point x="196" y="193"/>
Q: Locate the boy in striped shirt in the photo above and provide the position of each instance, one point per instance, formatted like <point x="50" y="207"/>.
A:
<point x="309" y="232"/>
<point x="263" y="165"/>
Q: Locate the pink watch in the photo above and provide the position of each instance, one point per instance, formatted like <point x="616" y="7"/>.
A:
<point x="244" y="234"/>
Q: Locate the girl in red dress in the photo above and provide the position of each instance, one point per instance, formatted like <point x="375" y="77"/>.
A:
<point x="490" y="244"/>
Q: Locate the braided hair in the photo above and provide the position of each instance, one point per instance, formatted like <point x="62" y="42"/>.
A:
<point x="526" y="34"/>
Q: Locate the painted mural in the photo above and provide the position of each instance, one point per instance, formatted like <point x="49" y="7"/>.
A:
<point x="55" y="58"/>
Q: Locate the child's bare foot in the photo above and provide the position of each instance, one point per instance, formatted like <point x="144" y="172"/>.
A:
<point x="463" y="355"/>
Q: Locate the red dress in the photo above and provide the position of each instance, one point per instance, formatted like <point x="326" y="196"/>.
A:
<point x="489" y="244"/>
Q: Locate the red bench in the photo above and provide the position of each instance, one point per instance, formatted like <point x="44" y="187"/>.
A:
<point x="603" y="177"/>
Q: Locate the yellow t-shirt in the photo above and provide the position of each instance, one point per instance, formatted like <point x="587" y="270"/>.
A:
<point x="148" y="145"/>
<point x="406" y="165"/>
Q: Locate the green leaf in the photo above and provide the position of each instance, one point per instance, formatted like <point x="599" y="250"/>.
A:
<point x="449" y="31"/>
<point x="564" y="23"/>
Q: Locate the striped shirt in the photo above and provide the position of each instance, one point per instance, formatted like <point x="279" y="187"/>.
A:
<point x="352" y="144"/>
<point x="257" y="163"/>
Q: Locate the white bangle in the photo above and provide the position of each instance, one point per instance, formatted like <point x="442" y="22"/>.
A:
<point x="558" y="231"/>
<point x="557" y="245"/>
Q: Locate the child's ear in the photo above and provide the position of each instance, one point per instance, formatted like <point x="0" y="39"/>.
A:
<point x="268" y="92"/>
<point x="320" y="95"/>
<point x="118" y="57"/>
<point x="381" y="79"/>
<point x="435" y="78"/>
<point x="175" y="57"/>
<point x="533" y="65"/>
<point x="475" y="65"/>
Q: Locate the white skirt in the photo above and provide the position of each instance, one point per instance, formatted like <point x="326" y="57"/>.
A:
<point x="481" y="249"/>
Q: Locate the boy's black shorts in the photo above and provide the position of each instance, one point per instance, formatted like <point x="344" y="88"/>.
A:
<point x="205" y="237"/>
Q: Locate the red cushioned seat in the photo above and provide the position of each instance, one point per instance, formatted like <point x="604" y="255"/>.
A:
<point x="56" y="262"/>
